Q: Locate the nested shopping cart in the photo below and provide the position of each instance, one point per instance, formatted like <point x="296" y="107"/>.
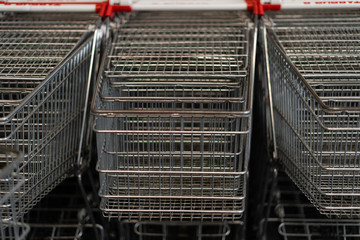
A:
<point x="172" y="115"/>
<point x="45" y="66"/>
<point x="313" y="71"/>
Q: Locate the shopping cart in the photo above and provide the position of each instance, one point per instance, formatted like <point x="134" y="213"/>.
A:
<point x="45" y="65"/>
<point x="313" y="75"/>
<point x="11" y="186"/>
<point x="172" y="115"/>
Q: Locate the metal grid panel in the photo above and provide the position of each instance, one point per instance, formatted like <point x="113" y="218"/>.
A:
<point x="323" y="17"/>
<point x="11" y="185"/>
<point x="34" y="54"/>
<point x="153" y="209"/>
<point x="44" y="66"/>
<point x="318" y="51"/>
<point x="168" y="94"/>
<point x="331" y="201"/>
<point x="314" y="89"/>
<point x="173" y="184"/>
<point x="300" y="220"/>
<point x="170" y="90"/>
<point x="165" y="47"/>
<point x="206" y="143"/>
<point x="147" y="55"/>
<point x="173" y="135"/>
<point x="314" y="40"/>
<point x="46" y="126"/>
<point x="29" y="54"/>
<point x="48" y="21"/>
<point x="326" y="158"/>
<point x="319" y="230"/>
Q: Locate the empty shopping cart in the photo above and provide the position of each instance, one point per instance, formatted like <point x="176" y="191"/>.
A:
<point x="45" y="64"/>
<point x="313" y="72"/>
<point x="172" y="115"/>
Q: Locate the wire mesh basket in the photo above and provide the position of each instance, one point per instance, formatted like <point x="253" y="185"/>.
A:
<point x="173" y="116"/>
<point x="42" y="76"/>
<point x="314" y="73"/>
<point x="12" y="227"/>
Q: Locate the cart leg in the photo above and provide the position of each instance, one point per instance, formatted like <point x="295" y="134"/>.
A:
<point x="88" y="208"/>
<point x="270" y="199"/>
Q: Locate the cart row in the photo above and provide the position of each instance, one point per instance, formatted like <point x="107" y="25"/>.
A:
<point x="172" y="109"/>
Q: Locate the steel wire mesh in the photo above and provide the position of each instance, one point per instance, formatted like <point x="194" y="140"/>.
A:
<point x="172" y="115"/>
<point x="298" y="219"/>
<point x="313" y="73"/>
<point x="42" y="77"/>
<point x="50" y="21"/>
<point x="11" y="186"/>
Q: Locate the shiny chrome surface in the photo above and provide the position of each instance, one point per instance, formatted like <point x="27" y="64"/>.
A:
<point x="172" y="113"/>
<point x="44" y="68"/>
<point x="314" y="82"/>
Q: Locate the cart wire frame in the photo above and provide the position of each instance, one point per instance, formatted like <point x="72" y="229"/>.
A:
<point x="313" y="120"/>
<point x="184" y="188"/>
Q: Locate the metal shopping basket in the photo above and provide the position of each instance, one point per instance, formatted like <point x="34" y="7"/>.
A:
<point x="11" y="186"/>
<point x="172" y="115"/>
<point x="313" y="75"/>
<point x="44" y="70"/>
